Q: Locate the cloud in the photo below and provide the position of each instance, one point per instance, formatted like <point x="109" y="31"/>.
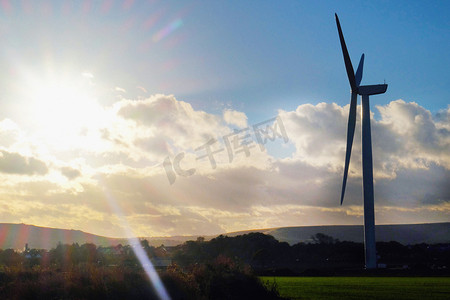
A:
<point x="157" y="145"/>
<point x="70" y="173"/>
<point x="15" y="163"/>
<point x="415" y="186"/>
<point x="9" y="132"/>
<point x="317" y="132"/>
<point x="175" y="120"/>
<point x="120" y="164"/>
<point x="234" y="117"/>
<point x="406" y="136"/>
<point x="87" y="75"/>
<point x="413" y="138"/>
<point x="142" y="89"/>
<point x="119" y="89"/>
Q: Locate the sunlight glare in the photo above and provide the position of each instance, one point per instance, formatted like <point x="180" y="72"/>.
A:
<point x="62" y="108"/>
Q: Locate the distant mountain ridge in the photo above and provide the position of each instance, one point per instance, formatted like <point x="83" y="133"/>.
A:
<point x="17" y="235"/>
<point x="406" y="234"/>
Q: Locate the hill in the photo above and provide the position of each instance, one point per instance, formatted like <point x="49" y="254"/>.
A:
<point x="17" y="235"/>
<point x="406" y="234"/>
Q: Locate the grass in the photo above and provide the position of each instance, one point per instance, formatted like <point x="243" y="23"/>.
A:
<point x="361" y="287"/>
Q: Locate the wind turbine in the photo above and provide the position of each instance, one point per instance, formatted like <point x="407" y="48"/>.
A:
<point x="365" y="91"/>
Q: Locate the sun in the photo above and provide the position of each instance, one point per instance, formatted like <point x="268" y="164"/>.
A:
<point x="62" y="106"/>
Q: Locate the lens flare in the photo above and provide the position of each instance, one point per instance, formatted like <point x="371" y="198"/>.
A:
<point x="138" y="250"/>
<point x="174" y="25"/>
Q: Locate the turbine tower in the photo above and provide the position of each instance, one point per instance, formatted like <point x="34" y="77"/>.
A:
<point x="365" y="91"/>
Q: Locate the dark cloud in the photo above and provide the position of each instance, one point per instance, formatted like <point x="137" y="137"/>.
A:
<point x="70" y="173"/>
<point x="413" y="187"/>
<point x="15" y="163"/>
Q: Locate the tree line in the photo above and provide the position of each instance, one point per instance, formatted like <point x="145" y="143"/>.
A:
<point x="259" y="251"/>
<point x="264" y="253"/>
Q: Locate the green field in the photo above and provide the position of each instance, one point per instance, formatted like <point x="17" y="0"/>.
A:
<point x="362" y="287"/>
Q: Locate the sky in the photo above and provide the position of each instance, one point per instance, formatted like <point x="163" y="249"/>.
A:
<point x="166" y="118"/>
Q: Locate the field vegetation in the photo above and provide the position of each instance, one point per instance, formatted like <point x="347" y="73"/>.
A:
<point x="395" y="288"/>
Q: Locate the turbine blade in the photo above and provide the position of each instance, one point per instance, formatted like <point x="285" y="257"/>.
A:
<point x="350" y="134"/>
<point x="359" y="71"/>
<point x="347" y="61"/>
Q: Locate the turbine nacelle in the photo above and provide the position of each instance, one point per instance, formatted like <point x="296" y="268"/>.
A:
<point x="372" y="89"/>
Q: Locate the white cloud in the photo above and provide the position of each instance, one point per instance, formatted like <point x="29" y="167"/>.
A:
<point x="119" y="89"/>
<point x="87" y="75"/>
<point x="9" y="132"/>
<point x="175" y="120"/>
<point x="234" y="117"/>
<point x="318" y="132"/>
<point x="406" y="136"/>
<point x="411" y="136"/>
<point x="142" y="89"/>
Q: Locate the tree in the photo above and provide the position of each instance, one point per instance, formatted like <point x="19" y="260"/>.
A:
<point x="9" y="258"/>
<point x="321" y="238"/>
